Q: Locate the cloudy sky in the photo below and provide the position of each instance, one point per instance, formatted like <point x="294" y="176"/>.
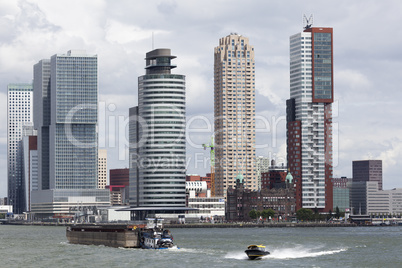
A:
<point x="367" y="63"/>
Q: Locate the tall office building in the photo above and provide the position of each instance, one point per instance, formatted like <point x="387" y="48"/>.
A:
<point x="368" y="170"/>
<point x="29" y="162"/>
<point x="102" y="168"/>
<point x="309" y="117"/>
<point x="157" y="138"/>
<point x="19" y="111"/>
<point x="234" y="105"/>
<point x="66" y="117"/>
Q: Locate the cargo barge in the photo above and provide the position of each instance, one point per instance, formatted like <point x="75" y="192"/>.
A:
<point x="150" y="235"/>
<point x="125" y="236"/>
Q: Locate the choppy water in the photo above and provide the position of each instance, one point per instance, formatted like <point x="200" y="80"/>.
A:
<point x="36" y="246"/>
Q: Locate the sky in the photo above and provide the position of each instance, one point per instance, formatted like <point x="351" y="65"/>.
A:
<point x="367" y="67"/>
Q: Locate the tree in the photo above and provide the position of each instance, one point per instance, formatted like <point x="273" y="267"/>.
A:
<point x="266" y="213"/>
<point x="253" y="214"/>
<point x="329" y="216"/>
<point x="304" y="214"/>
<point x="258" y="214"/>
<point x="337" y="213"/>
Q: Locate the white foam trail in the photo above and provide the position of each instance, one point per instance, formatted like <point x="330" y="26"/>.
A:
<point x="241" y="255"/>
<point x="295" y="253"/>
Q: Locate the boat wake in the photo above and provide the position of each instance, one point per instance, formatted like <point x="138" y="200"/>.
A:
<point x="288" y="253"/>
<point x="239" y="255"/>
<point x="301" y="252"/>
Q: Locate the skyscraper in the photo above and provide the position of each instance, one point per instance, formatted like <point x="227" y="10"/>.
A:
<point x="29" y="162"/>
<point x="19" y="112"/>
<point x="66" y="117"/>
<point x="368" y="170"/>
<point x="309" y="117"/>
<point x="157" y="138"/>
<point x="234" y="105"/>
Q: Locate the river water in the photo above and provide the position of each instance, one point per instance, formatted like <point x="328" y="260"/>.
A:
<point x="40" y="246"/>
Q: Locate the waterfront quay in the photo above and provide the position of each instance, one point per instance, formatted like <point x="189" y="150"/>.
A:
<point x="202" y="225"/>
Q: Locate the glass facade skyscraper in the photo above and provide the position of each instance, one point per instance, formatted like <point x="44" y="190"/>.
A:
<point x="66" y="117"/>
<point x="74" y="118"/>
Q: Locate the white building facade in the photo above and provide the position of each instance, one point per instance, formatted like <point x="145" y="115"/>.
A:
<point x="383" y="202"/>
<point x="19" y="112"/>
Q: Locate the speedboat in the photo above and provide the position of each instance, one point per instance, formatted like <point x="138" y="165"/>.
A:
<point x="256" y="252"/>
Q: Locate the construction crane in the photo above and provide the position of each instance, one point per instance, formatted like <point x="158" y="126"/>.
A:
<point x="212" y="162"/>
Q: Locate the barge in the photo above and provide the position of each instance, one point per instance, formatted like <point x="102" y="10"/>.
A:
<point x="125" y="236"/>
<point x="150" y="235"/>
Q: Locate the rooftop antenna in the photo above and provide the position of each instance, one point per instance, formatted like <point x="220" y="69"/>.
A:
<point x="152" y="40"/>
<point x="308" y="22"/>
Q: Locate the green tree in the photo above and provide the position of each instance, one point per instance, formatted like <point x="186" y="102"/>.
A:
<point x="337" y="213"/>
<point x="305" y="214"/>
<point x="266" y="213"/>
<point x="258" y="214"/>
<point x="329" y="216"/>
<point x="253" y="214"/>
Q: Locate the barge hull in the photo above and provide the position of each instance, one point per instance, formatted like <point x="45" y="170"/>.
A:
<point x="111" y="237"/>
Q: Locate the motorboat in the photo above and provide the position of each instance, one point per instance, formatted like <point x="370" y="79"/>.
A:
<point x="256" y="252"/>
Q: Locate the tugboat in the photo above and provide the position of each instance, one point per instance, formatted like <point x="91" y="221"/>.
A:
<point x="154" y="237"/>
<point x="255" y="252"/>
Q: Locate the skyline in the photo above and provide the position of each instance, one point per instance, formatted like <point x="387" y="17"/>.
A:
<point x="367" y="70"/>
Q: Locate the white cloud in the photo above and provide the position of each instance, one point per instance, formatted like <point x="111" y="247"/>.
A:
<point x="120" y="33"/>
<point x="392" y="155"/>
<point x="367" y="62"/>
<point x="3" y="120"/>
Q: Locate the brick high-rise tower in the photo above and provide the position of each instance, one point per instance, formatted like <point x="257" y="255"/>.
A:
<point x="309" y="117"/>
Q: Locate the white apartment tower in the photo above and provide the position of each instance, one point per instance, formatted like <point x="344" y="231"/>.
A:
<point x="19" y="112"/>
<point x="309" y="117"/>
<point x="234" y="105"/>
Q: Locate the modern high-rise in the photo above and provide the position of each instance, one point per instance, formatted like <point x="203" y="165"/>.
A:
<point x="66" y="117"/>
<point x="29" y="162"/>
<point x="234" y="112"/>
<point x="19" y="112"/>
<point x="309" y="117"/>
<point x="368" y="170"/>
<point x="157" y="139"/>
